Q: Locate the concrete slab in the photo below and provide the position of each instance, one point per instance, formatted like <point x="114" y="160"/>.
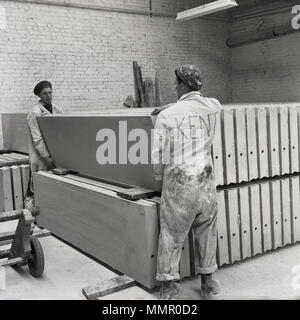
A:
<point x="75" y="143"/>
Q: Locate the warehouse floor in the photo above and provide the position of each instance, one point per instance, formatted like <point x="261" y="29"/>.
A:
<point x="67" y="271"/>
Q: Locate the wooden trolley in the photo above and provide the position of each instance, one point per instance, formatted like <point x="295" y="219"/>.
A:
<point x="26" y="249"/>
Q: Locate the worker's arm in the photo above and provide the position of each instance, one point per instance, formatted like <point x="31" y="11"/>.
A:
<point x="159" y="147"/>
<point x="57" y="109"/>
<point x="36" y="135"/>
<point x="158" y="110"/>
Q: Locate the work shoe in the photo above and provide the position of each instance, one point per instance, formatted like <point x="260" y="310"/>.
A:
<point x="210" y="288"/>
<point x="169" y="290"/>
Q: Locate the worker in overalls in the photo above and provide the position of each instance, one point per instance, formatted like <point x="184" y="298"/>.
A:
<point x="40" y="159"/>
<point x="181" y="154"/>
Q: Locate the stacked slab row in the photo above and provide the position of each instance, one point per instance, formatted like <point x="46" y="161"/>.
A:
<point x="13" y="181"/>
<point x="256" y="141"/>
<point x="256" y="157"/>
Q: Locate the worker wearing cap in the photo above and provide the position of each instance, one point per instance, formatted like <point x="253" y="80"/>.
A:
<point x="39" y="156"/>
<point x="181" y="154"/>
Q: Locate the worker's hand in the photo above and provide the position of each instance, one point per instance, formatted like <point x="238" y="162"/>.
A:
<point x="158" y="177"/>
<point x="50" y="163"/>
<point x="158" y="110"/>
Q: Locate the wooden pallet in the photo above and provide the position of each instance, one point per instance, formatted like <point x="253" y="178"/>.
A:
<point x="109" y="286"/>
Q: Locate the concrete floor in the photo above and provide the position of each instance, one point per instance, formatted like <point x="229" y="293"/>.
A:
<point x="67" y="271"/>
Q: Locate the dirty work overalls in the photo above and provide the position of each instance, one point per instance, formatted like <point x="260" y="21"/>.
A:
<point x="188" y="193"/>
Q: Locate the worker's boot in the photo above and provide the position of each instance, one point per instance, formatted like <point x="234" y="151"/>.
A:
<point x="169" y="290"/>
<point x="209" y="287"/>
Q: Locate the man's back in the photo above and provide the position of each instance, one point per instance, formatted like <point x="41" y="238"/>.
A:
<point x="187" y="129"/>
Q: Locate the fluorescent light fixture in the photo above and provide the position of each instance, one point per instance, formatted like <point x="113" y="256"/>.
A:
<point x="205" y="9"/>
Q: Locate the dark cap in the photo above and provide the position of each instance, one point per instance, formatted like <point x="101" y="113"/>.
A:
<point x="40" y="86"/>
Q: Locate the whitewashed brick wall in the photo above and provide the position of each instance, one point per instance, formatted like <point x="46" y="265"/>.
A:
<point x="266" y="71"/>
<point x="87" y="54"/>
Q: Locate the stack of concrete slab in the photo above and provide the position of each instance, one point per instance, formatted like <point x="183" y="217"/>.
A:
<point x="15" y="131"/>
<point x="257" y="217"/>
<point x="14" y="178"/>
<point x="256" y="157"/>
<point x="254" y="141"/>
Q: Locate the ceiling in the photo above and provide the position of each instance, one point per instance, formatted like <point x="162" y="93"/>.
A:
<point x="247" y="8"/>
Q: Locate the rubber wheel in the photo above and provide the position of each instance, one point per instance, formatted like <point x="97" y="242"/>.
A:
<point x="36" y="261"/>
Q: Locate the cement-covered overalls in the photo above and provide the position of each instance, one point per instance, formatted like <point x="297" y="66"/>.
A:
<point x="37" y="147"/>
<point x="188" y="191"/>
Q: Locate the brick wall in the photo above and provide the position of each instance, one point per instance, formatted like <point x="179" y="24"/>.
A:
<point x="266" y="71"/>
<point x="87" y="54"/>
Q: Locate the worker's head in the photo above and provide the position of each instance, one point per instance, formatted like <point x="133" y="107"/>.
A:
<point x="188" y="79"/>
<point x="44" y="91"/>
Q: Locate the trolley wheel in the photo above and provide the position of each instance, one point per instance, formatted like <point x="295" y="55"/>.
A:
<point x="36" y="261"/>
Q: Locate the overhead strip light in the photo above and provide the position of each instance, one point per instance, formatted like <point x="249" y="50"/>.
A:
<point x="205" y="9"/>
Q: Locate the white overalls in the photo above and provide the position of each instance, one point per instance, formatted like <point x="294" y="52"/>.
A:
<point x="181" y="154"/>
<point x="37" y="147"/>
